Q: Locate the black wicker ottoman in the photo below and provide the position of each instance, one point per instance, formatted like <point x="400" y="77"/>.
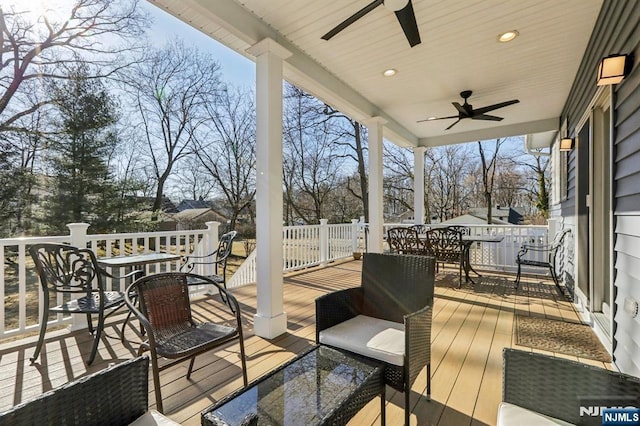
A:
<point x="322" y="386"/>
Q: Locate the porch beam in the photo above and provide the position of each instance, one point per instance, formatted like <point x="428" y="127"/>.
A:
<point x="418" y="185"/>
<point x="270" y="319"/>
<point x="376" y="217"/>
<point x="531" y="127"/>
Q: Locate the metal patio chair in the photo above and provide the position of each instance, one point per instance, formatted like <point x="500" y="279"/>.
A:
<point x="541" y="256"/>
<point x="74" y="274"/>
<point x="405" y="240"/>
<point x="446" y="246"/>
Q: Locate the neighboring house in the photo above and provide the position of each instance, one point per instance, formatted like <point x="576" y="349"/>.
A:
<point x="508" y="215"/>
<point x="471" y="219"/>
<point x="596" y="188"/>
<point x="194" y="204"/>
<point x="196" y="219"/>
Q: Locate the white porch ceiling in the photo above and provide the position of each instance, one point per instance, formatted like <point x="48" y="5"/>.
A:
<point x="459" y="51"/>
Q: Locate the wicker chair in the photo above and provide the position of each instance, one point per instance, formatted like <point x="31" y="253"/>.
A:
<point x="71" y="271"/>
<point x="117" y="395"/>
<point x="531" y="254"/>
<point x="405" y="240"/>
<point x="394" y="303"/>
<point x="534" y="384"/>
<point x="165" y="314"/>
<point x="445" y="245"/>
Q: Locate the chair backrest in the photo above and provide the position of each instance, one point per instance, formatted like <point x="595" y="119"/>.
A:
<point x="164" y="301"/>
<point x="66" y="269"/>
<point x="444" y="244"/>
<point x="225" y="245"/>
<point x="420" y="229"/>
<point x="464" y="230"/>
<point x="404" y="240"/>
<point x="395" y="285"/>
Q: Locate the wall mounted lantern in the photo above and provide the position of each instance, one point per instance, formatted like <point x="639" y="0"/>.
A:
<point x="566" y="144"/>
<point x="614" y="68"/>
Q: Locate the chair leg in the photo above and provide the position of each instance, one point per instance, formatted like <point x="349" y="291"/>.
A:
<point x="517" y="281"/>
<point x="243" y="363"/>
<point x="90" y="324"/>
<point x="429" y="382"/>
<point x="407" y="405"/>
<point x="156" y="382"/>
<point x="96" y="337"/>
<point x="193" y="360"/>
<point x="43" y="329"/>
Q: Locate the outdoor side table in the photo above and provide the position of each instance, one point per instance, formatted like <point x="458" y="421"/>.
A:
<point x="322" y="386"/>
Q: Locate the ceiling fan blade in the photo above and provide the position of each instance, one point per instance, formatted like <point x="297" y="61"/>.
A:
<point x="486" y="117"/>
<point x="495" y="106"/>
<point x="453" y="124"/>
<point x="461" y="109"/>
<point x="353" y="18"/>
<point x="407" y="19"/>
<point x="438" y="118"/>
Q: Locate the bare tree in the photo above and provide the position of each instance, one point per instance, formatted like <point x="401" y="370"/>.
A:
<point x="541" y="183"/>
<point x="311" y="160"/>
<point x="228" y="149"/>
<point x="172" y="90"/>
<point x="36" y="49"/>
<point x="488" y="164"/>
<point x="449" y="169"/>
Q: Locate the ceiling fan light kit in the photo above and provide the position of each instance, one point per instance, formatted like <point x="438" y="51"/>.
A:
<point x="466" y="110"/>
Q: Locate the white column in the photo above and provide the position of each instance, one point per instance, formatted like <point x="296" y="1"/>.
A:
<point x="270" y="320"/>
<point x="376" y="216"/>
<point x="418" y="184"/>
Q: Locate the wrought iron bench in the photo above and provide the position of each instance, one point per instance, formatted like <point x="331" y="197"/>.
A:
<point x="539" y="388"/>
<point x="117" y="395"/>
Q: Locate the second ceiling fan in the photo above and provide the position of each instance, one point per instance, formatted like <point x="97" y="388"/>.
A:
<point x="466" y="110"/>
<point x="403" y="10"/>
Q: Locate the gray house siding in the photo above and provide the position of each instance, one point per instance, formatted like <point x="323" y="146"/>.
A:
<point x="617" y="30"/>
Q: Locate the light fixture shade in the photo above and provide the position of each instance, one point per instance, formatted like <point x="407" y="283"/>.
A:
<point x="395" y="5"/>
<point x="566" y="144"/>
<point x="613" y="69"/>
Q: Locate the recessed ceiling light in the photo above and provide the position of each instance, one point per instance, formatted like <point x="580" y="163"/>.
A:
<point x="508" y="36"/>
<point x="389" y="73"/>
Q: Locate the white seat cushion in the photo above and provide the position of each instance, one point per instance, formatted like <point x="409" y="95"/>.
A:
<point x="514" y="415"/>
<point x="154" y="418"/>
<point x="372" y="337"/>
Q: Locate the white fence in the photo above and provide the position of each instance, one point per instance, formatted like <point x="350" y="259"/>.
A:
<point x="303" y="247"/>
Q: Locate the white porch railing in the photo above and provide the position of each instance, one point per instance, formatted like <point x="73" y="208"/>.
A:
<point x="303" y="247"/>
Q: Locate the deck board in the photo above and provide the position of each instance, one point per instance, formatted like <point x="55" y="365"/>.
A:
<point x="471" y="326"/>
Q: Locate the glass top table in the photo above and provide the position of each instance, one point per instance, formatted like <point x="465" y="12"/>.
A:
<point x="322" y="386"/>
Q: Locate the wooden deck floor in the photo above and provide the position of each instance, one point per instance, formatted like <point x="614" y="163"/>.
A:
<point x="471" y="326"/>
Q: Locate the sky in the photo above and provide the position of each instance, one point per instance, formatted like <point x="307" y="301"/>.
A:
<point x="236" y="69"/>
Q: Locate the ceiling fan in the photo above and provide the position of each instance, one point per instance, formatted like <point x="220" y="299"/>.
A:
<point x="466" y="110"/>
<point x="403" y="10"/>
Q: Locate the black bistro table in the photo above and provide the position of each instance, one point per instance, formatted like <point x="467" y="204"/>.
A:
<point x="322" y="386"/>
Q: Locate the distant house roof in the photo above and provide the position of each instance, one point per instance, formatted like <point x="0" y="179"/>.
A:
<point x="192" y="214"/>
<point x="508" y="214"/>
<point x="194" y="204"/>
<point x="469" y="219"/>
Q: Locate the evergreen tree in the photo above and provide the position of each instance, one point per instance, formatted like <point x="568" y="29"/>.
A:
<point x="81" y="184"/>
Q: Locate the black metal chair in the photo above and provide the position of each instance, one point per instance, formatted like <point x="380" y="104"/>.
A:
<point x="217" y="259"/>
<point x="405" y="240"/>
<point x="395" y="299"/>
<point x="74" y="273"/>
<point x="445" y="245"/>
<point x="165" y="314"/>
<point x="541" y="256"/>
<point x="420" y="228"/>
